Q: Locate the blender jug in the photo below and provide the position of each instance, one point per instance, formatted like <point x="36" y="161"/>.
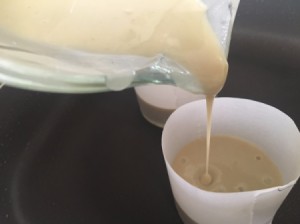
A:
<point x="35" y="64"/>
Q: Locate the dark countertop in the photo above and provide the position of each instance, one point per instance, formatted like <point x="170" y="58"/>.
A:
<point x="85" y="159"/>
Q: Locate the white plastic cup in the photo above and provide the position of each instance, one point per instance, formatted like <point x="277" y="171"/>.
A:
<point x="157" y="102"/>
<point x="267" y="127"/>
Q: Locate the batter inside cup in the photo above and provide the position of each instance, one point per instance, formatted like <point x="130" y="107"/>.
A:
<point x="235" y="165"/>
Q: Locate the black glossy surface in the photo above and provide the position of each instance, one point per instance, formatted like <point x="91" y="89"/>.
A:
<point x="85" y="159"/>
